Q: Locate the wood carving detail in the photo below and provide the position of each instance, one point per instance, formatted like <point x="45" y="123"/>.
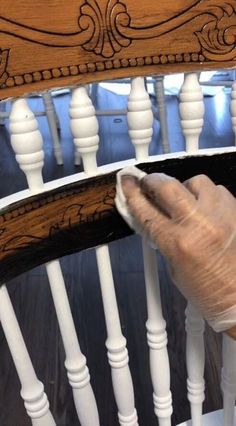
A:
<point x="98" y="29"/>
<point x="106" y="39"/>
<point x="217" y="43"/>
<point x="107" y="28"/>
<point x="4" y="55"/>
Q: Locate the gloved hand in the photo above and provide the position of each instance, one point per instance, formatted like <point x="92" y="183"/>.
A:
<point x="194" y="226"/>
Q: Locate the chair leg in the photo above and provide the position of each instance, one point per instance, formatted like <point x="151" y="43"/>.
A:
<point x="52" y="122"/>
<point x="160" y="97"/>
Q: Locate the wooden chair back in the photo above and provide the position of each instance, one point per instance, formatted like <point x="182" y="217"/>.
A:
<point x="69" y="44"/>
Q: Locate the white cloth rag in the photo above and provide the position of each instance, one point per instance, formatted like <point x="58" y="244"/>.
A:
<point x="121" y="204"/>
<point x="120" y="199"/>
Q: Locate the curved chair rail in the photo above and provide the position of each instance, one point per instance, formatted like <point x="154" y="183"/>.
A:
<point x="82" y="214"/>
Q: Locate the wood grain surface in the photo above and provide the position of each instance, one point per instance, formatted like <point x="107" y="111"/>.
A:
<point x="82" y="215"/>
<point x="62" y="43"/>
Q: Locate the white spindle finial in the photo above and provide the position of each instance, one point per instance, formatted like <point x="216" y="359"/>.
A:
<point x="27" y="142"/>
<point x="140" y="118"/>
<point x="84" y="127"/>
<point x="52" y="123"/>
<point x="191" y="111"/>
<point x="195" y="358"/>
<point x="156" y="333"/>
<point x="32" y="390"/>
<point x="27" y="139"/>
<point x="229" y="379"/>
<point x="233" y="108"/>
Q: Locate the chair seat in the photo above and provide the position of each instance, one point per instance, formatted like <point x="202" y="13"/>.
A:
<point x="211" y="419"/>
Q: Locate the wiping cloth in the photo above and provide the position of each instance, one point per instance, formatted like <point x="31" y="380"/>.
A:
<point x="120" y="199"/>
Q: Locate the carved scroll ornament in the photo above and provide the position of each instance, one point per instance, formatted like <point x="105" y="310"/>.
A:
<point x="107" y="28"/>
<point x="217" y="43"/>
<point x="108" y="36"/>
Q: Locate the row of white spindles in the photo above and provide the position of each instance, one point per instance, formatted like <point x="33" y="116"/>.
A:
<point x="28" y="146"/>
<point x="140" y="124"/>
<point x="27" y="143"/>
<point x="192" y="110"/>
<point x="192" y="115"/>
<point x="84" y="126"/>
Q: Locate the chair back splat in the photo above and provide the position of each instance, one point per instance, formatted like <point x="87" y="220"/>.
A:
<point x="72" y="44"/>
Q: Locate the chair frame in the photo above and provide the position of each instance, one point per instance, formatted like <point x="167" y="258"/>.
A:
<point x="89" y="41"/>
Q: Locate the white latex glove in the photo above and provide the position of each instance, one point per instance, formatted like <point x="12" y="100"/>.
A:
<point x="194" y="226"/>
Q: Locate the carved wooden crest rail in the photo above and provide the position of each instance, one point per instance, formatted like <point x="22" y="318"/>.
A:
<point x="84" y="40"/>
<point x="83" y="214"/>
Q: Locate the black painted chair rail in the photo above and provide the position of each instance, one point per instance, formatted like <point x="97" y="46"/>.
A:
<point x="82" y="215"/>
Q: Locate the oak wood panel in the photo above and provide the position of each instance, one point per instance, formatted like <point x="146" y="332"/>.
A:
<point x="62" y="43"/>
<point x="82" y="215"/>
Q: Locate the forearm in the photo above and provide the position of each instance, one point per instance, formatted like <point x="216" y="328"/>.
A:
<point x="193" y="226"/>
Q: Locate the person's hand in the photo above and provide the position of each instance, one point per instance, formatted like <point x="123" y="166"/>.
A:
<point x="194" y="226"/>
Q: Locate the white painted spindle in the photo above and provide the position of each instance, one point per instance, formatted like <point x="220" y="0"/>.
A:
<point x="195" y="359"/>
<point x="28" y="144"/>
<point x="229" y="380"/>
<point x="233" y="108"/>
<point x="162" y="111"/>
<point x="157" y="340"/>
<point x="32" y="390"/>
<point x="140" y="118"/>
<point x="140" y="122"/>
<point x="191" y="111"/>
<point x="52" y="123"/>
<point x="84" y="127"/>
